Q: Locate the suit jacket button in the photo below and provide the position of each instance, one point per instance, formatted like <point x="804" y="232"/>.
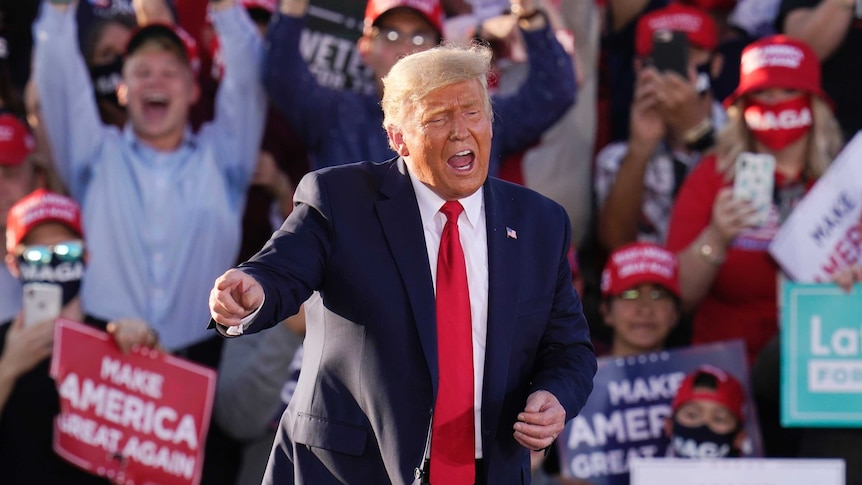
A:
<point x="417" y="473"/>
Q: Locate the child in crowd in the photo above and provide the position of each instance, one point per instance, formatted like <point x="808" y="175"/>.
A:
<point x="640" y="289"/>
<point x="707" y="419"/>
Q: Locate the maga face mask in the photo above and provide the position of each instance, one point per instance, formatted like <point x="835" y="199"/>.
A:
<point x="780" y="124"/>
<point x="106" y="78"/>
<point x="61" y="264"/>
<point x="701" y="442"/>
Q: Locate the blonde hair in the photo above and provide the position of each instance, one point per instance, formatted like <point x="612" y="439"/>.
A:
<point x="824" y="145"/>
<point x="416" y="75"/>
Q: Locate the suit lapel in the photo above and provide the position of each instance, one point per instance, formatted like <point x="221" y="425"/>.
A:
<point x="503" y="281"/>
<point x="402" y="227"/>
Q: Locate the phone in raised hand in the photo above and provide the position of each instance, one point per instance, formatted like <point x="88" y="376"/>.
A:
<point x="42" y="301"/>
<point x="753" y="181"/>
<point x="670" y="52"/>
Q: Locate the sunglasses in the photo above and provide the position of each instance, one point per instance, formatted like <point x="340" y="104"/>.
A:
<point x="66" y="251"/>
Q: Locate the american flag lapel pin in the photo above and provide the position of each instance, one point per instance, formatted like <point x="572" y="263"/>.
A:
<point x="511" y="233"/>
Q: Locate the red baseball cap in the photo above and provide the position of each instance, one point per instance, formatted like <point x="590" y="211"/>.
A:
<point x="728" y="391"/>
<point x="184" y="43"/>
<point x="430" y="10"/>
<point x="640" y="263"/>
<point x="778" y="61"/>
<point x="697" y="25"/>
<point x="268" y="5"/>
<point x="16" y="141"/>
<point x="724" y="5"/>
<point x="39" y="207"/>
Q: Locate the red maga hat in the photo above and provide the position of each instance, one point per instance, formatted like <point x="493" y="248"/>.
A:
<point x="268" y="5"/>
<point x="728" y="391"/>
<point x="725" y="5"/>
<point x="430" y="10"/>
<point x="16" y="141"/>
<point x="778" y="61"/>
<point x="637" y="264"/>
<point x="39" y="207"/>
<point x="697" y="25"/>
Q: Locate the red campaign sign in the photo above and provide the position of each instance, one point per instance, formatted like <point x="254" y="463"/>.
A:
<point x="138" y="418"/>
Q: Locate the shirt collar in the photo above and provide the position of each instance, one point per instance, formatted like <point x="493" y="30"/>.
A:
<point x="189" y="138"/>
<point x="430" y="203"/>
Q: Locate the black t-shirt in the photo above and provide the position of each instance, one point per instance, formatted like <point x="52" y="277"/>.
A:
<point x="842" y="71"/>
<point x="27" y="429"/>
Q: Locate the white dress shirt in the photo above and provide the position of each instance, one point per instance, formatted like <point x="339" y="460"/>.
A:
<point x="474" y="241"/>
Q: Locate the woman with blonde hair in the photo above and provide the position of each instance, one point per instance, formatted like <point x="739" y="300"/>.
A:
<point x="727" y="276"/>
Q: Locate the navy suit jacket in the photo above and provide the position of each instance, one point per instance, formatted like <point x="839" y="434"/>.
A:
<point x="361" y="412"/>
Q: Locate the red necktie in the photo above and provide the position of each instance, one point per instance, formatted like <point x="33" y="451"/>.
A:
<point x="452" y="434"/>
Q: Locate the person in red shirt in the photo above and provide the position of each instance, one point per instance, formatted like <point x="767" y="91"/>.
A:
<point x="727" y="276"/>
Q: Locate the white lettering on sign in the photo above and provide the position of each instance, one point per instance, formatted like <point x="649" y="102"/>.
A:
<point x="613" y="462"/>
<point x="633" y="424"/>
<point x="843" y="342"/>
<point x="151" y="454"/>
<point x="132" y="378"/>
<point x="90" y="432"/>
<point x="128" y="410"/>
<point x="651" y="389"/>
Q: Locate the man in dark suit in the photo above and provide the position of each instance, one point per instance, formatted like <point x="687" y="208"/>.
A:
<point x="365" y="237"/>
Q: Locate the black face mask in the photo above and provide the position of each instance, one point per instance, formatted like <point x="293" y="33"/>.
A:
<point x="63" y="273"/>
<point x="701" y="442"/>
<point x="106" y="78"/>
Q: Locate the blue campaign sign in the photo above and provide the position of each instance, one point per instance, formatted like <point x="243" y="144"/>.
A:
<point x="821" y="355"/>
<point x="625" y="415"/>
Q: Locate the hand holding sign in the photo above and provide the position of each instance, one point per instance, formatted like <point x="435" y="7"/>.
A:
<point x="136" y="417"/>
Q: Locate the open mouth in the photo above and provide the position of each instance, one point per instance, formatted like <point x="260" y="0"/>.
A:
<point x="155" y="106"/>
<point x="462" y="161"/>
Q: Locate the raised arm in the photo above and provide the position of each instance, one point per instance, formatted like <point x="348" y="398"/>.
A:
<point x="545" y="96"/>
<point x="822" y="27"/>
<point x="240" y="109"/>
<point x="620" y="176"/>
<point x="307" y="105"/>
<point x="68" y="105"/>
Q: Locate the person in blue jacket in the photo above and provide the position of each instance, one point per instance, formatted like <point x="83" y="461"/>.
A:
<point x="340" y="126"/>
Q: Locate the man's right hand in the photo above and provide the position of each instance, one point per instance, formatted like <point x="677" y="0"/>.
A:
<point x="234" y="295"/>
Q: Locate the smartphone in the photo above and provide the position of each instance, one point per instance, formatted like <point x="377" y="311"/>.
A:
<point x="753" y="181"/>
<point x="670" y="52"/>
<point x="42" y="301"/>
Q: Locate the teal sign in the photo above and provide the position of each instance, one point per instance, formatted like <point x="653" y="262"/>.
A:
<point x="821" y="355"/>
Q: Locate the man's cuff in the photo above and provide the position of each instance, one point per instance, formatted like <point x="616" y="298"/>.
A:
<point x="245" y="322"/>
